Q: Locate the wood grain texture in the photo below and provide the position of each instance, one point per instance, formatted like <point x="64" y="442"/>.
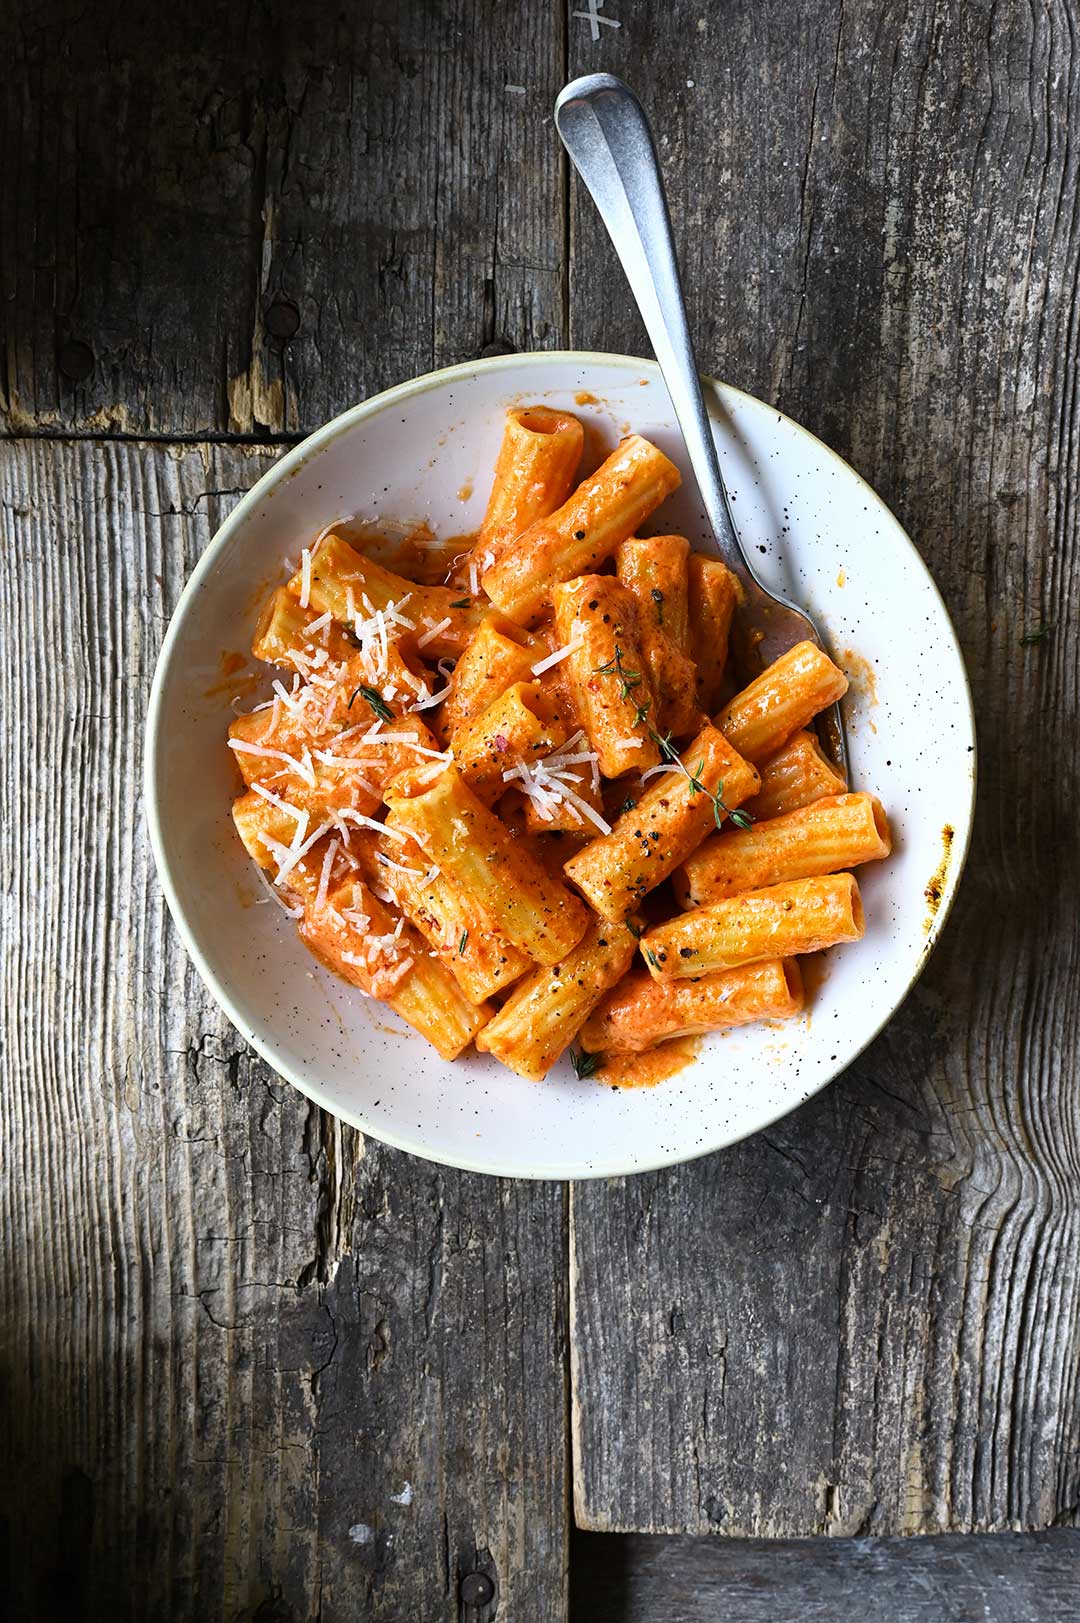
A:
<point x="638" y="1578"/>
<point x="865" y="1320"/>
<point x="180" y="181"/>
<point x="230" y="1333"/>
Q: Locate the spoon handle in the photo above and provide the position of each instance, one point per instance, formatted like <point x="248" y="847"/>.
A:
<point x="604" y="129"/>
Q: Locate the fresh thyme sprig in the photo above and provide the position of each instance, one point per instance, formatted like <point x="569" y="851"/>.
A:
<point x="374" y="699"/>
<point x="631" y="680"/>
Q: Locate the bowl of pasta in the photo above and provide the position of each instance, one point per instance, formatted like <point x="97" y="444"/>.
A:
<point x="493" y="838"/>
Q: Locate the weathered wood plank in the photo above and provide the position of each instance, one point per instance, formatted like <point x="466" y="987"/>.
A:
<point x="229" y="1333"/>
<point x="637" y="1578"/>
<point x="866" y="1319"/>
<point x="243" y="222"/>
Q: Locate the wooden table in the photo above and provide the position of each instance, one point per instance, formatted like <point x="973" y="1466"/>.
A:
<point x="252" y="1366"/>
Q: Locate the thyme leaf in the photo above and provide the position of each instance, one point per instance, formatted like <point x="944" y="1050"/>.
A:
<point x="663" y="741"/>
<point x="375" y="700"/>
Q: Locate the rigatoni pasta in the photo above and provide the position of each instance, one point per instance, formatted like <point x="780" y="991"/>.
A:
<point x="596" y="618"/>
<point x="482" y="962"/>
<point x="641" y="1011"/>
<point x="544" y="1013"/>
<point x="534" y="474"/>
<point x="655" y="570"/>
<point x="605" y="509"/>
<point x="713" y="594"/>
<point x="799" y="773"/>
<point x="340" y="581"/>
<point x="471" y="796"/>
<point x="355" y="934"/>
<point x="788" y="694"/>
<point x="498" y="654"/>
<point x="804" y="915"/>
<point x="664" y="826"/>
<point x="502" y="880"/>
<point x="825" y="837"/>
<point x="521" y="726"/>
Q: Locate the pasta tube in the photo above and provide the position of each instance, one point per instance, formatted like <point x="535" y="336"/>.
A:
<point x="804" y="915"/>
<point x="498" y="655"/>
<point x="656" y="572"/>
<point x="669" y="821"/>
<point x="481" y="961"/>
<point x="826" y="837"/>
<point x="534" y="474"/>
<point x="268" y="827"/>
<point x="518" y="727"/>
<point x="543" y="1015"/>
<point x="340" y="578"/>
<point x="557" y="807"/>
<point x="282" y="631"/>
<point x="604" y="510"/>
<point x="596" y="618"/>
<point x="505" y="884"/>
<point x="354" y="934"/>
<point x="640" y="1012"/>
<point x="779" y="701"/>
<point x="796" y="775"/>
<point x="320" y="772"/>
<point x="714" y="593"/>
<point x="271" y="821"/>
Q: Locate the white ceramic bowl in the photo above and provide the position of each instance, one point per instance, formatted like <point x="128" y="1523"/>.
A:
<point x="817" y="532"/>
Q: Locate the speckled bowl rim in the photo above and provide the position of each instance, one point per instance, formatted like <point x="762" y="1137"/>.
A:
<point x="535" y="360"/>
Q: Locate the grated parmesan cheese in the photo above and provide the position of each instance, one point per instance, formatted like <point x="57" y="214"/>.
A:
<point x="303" y="769"/>
<point x="388" y="862"/>
<point x="294" y="705"/>
<point x="305" y="578"/>
<point x="272" y="895"/>
<point x="369" y="822"/>
<point x="436" y="631"/>
<point x="579" y="805"/>
<point x="276" y="800"/>
<point x="375" y="737"/>
<point x="324" y="876"/>
<point x="547" y="783"/>
<point x="426" y="700"/>
<point x="288" y="856"/>
<point x="560" y="654"/>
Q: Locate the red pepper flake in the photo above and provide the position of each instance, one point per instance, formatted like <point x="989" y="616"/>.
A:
<point x="502" y="743"/>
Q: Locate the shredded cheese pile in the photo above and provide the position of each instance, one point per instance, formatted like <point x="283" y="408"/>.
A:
<point x="547" y="783"/>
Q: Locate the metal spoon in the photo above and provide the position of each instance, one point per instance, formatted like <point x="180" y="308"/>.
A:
<point x="604" y="129"/>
